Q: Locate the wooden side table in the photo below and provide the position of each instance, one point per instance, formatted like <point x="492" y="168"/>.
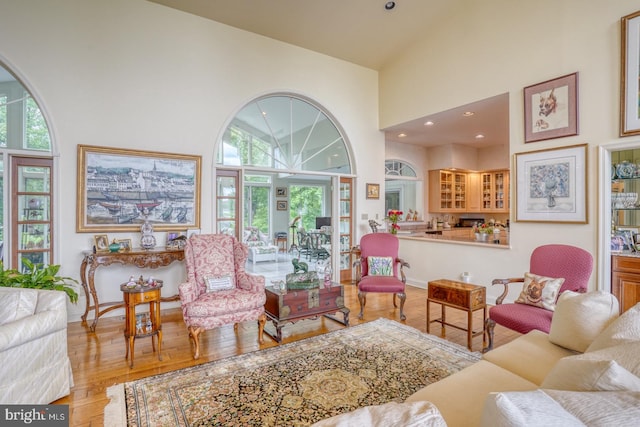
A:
<point x="281" y="242"/>
<point x="461" y="296"/>
<point x="152" y="327"/>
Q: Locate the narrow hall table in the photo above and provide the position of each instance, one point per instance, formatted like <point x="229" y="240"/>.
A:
<point x="141" y="258"/>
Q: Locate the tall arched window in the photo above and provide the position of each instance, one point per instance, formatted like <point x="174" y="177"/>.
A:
<point x="26" y="219"/>
<point x="289" y="150"/>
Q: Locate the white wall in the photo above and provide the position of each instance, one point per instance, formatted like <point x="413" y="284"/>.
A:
<point x="134" y="74"/>
<point x="498" y="46"/>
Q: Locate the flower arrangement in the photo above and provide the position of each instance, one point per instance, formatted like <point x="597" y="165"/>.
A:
<point x="393" y="216"/>
<point x="483" y="228"/>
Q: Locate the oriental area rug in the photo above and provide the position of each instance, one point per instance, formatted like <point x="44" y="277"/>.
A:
<point x="295" y="384"/>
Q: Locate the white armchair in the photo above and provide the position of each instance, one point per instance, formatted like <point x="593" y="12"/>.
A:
<point x="260" y="248"/>
<point x="35" y="366"/>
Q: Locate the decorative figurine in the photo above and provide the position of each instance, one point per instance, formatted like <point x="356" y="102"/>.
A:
<point x="147" y="241"/>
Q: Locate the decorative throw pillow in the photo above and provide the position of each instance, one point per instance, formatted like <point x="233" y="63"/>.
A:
<point x="580" y="317"/>
<point x="219" y="283"/>
<point x="413" y="414"/>
<point x="625" y="328"/>
<point x="578" y="373"/>
<point x="380" y="265"/>
<point x="540" y="291"/>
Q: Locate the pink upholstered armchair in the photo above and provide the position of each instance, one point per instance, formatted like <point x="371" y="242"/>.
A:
<point x="556" y="261"/>
<point x="379" y="269"/>
<point x="218" y="290"/>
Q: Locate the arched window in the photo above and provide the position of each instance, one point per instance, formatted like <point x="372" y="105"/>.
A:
<point x="26" y="220"/>
<point x="403" y="189"/>
<point x="284" y="132"/>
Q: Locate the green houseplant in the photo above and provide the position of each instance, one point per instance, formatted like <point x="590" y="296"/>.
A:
<point x="38" y="276"/>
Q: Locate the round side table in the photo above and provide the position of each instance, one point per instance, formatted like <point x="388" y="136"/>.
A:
<point x="150" y="326"/>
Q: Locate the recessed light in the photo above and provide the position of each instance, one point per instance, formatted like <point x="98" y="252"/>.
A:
<point x="402" y="135"/>
<point x="429" y="123"/>
<point x="389" y="5"/>
<point x="479" y="136"/>
<point x="468" y="113"/>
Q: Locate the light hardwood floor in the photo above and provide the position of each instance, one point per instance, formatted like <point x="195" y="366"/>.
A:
<point x="98" y="359"/>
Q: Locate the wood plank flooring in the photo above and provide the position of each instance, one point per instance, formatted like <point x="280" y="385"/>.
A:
<point x="98" y="359"/>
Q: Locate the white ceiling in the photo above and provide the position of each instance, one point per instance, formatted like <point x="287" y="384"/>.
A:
<point x="365" y="33"/>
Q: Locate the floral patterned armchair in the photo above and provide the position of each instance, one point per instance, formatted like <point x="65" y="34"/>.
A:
<point x="218" y="290"/>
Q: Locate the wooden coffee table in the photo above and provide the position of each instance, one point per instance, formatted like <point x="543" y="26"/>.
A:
<point x="293" y="305"/>
<point x="461" y="296"/>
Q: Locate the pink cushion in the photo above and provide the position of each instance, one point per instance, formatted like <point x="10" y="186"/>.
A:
<point x="380" y="284"/>
<point x="379" y="245"/>
<point x="224" y="302"/>
<point x="521" y="318"/>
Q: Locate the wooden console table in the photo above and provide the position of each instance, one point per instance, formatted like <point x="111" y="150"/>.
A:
<point x="461" y="296"/>
<point x="141" y="258"/>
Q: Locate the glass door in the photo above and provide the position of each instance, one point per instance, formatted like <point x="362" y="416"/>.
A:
<point x="32" y="211"/>
<point x="227" y="196"/>
<point x="346" y="227"/>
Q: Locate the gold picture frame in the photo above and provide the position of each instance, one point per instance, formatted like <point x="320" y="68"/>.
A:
<point x="373" y="191"/>
<point x="117" y="188"/>
<point x="101" y="242"/>
<point x="125" y="245"/>
<point x="629" y="72"/>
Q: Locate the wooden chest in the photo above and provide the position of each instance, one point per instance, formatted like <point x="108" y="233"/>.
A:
<point x="457" y="294"/>
<point x="300" y="304"/>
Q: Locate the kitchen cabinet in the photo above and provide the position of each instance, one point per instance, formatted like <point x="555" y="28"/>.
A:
<point x="625" y="280"/>
<point x="453" y="191"/>
<point x="494" y="191"/>
<point x="447" y="191"/>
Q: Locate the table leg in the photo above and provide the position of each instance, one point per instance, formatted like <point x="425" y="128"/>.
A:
<point x="469" y="328"/>
<point x="484" y="319"/>
<point x="428" y="316"/>
<point x="443" y="333"/>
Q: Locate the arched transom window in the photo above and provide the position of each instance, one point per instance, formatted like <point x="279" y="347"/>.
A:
<point x="287" y="133"/>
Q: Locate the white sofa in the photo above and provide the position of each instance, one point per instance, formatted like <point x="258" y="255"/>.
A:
<point x="260" y="249"/>
<point x="586" y="371"/>
<point x="34" y="363"/>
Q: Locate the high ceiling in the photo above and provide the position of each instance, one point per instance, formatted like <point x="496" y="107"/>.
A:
<point x="364" y="32"/>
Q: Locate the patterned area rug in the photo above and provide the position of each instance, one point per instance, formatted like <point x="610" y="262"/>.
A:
<point x="299" y="383"/>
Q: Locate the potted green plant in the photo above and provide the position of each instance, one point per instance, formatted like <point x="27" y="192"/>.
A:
<point x="38" y="276"/>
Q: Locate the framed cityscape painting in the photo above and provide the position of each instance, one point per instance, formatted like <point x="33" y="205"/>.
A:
<point x="551" y="185"/>
<point x="118" y="189"/>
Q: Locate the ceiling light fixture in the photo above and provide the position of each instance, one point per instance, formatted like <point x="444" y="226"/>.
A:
<point x="479" y="136"/>
<point x="402" y="135"/>
<point x="389" y="5"/>
<point x="468" y="113"/>
<point x="429" y="123"/>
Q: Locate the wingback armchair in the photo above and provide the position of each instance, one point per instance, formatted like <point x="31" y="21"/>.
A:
<point x="571" y="263"/>
<point x="379" y="269"/>
<point x="218" y="290"/>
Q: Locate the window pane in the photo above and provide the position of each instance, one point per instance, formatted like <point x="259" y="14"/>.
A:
<point x="33" y="179"/>
<point x="34" y="208"/>
<point x="3" y="120"/>
<point x="36" y="130"/>
<point x="34" y="236"/>
<point x="226" y="208"/>
<point x="226" y="186"/>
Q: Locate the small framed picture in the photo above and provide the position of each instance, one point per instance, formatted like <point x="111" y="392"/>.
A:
<point x="176" y="239"/>
<point x="373" y="191"/>
<point x="282" y="205"/>
<point x="281" y="191"/>
<point x="101" y="242"/>
<point x="551" y="109"/>
<point x="621" y="241"/>
<point x="125" y="244"/>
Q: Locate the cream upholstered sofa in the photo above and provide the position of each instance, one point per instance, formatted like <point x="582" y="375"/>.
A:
<point x="586" y="371"/>
<point x="260" y="249"/>
<point x="35" y="366"/>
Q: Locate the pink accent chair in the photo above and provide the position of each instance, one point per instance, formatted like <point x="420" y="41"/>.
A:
<point x="569" y="262"/>
<point x="216" y="256"/>
<point x="381" y="245"/>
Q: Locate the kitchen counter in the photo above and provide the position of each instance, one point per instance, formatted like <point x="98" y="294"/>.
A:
<point x="457" y="235"/>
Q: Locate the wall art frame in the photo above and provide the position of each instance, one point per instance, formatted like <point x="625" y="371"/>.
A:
<point x="281" y="191"/>
<point x="551" y="109"/>
<point x="551" y="185"/>
<point x="118" y="187"/>
<point x="629" y="75"/>
<point x="282" y="205"/>
<point x="373" y="191"/>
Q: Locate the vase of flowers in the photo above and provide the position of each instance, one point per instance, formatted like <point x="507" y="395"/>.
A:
<point x="483" y="231"/>
<point x="393" y="216"/>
